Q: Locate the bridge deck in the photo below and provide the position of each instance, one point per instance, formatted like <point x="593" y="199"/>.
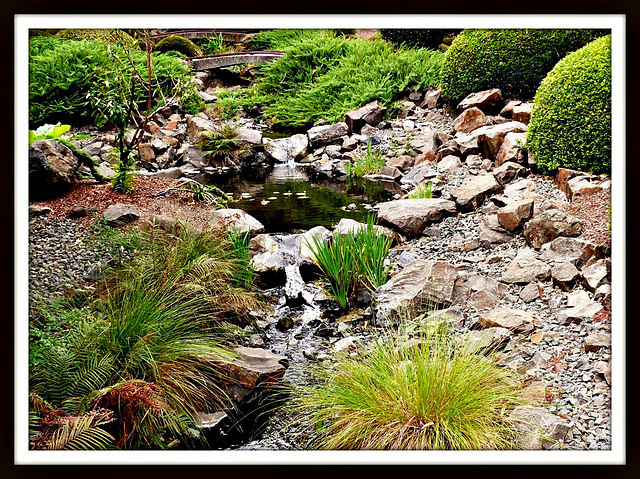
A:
<point x="209" y="62"/>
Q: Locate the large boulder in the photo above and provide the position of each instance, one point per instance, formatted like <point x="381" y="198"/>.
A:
<point x="515" y="214"/>
<point x="489" y="101"/>
<point x="470" y="119"/>
<point x="120" y="214"/>
<point x="411" y="216"/>
<point x="251" y="368"/>
<point x="491" y="137"/>
<point x="525" y="268"/>
<point x="324" y="134"/>
<point x="286" y="149"/>
<point x="52" y="167"/>
<point x="565" y="249"/>
<point x="418" y="287"/>
<point x="233" y="218"/>
<point x="472" y="193"/>
<point x="371" y="114"/>
<point x="511" y="149"/>
<point x="538" y="428"/>
<point x="549" y="225"/>
<point x="515" y="320"/>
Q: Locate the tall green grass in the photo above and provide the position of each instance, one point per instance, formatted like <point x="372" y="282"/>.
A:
<point x="427" y="392"/>
<point x="322" y="75"/>
<point x="352" y="260"/>
<point x="369" y="162"/>
<point x="147" y="346"/>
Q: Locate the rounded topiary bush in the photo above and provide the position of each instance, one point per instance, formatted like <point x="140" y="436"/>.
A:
<point x="570" y="123"/>
<point x="424" y="38"/>
<point x="178" y="44"/>
<point x="513" y="60"/>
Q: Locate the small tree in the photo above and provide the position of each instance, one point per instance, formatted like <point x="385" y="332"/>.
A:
<point x="124" y="97"/>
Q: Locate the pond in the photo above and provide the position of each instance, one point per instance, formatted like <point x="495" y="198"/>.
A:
<point x="288" y="200"/>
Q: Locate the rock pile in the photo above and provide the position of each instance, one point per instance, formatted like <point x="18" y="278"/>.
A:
<point x="495" y="246"/>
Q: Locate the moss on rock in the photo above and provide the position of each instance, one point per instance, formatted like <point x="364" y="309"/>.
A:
<point x="179" y="44"/>
<point x="513" y="60"/>
<point x="571" y="116"/>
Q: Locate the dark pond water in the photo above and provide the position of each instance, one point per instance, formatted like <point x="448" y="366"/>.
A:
<point x="287" y="200"/>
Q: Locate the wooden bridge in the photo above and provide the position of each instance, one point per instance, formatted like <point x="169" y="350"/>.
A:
<point x="209" y="62"/>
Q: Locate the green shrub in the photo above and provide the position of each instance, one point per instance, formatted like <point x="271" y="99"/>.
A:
<point x="513" y="60"/>
<point x="101" y="34"/>
<point x="179" y="44"/>
<point x="571" y="117"/>
<point x="425" y="38"/>
<point x="70" y="81"/>
<point x="427" y="391"/>
<point x="324" y="76"/>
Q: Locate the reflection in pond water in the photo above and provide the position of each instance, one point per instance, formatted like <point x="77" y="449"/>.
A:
<point x="288" y="200"/>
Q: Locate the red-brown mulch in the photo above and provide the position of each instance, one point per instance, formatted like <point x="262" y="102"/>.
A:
<point x="91" y="193"/>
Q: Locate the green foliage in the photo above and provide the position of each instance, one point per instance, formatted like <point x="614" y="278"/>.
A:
<point x="146" y="348"/>
<point x="427" y="38"/>
<point x="281" y="38"/>
<point x="206" y="193"/>
<point x="513" y="60"/>
<point x="83" y="433"/>
<point x="427" y="391"/>
<point x="353" y="260"/>
<point x="214" y="44"/>
<point x="48" y="132"/>
<point x="571" y="117"/>
<point x="370" y="162"/>
<point x="103" y="35"/>
<point x="239" y="243"/>
<point x="324" y="76"/>
<point x="73" y="80"/>
<point x="422" y="191"/>
<point x="221" y="143"/>
<point x="178" y="44"/>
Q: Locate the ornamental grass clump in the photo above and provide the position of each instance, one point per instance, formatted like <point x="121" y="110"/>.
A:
<point x="353" y="260"/>
<point x="147" y="346"/>
<point x="370" y="162"/>
<point x="428" y="392"/>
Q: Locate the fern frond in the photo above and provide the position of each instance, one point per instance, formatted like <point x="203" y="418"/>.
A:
<point x="84" y="433"/>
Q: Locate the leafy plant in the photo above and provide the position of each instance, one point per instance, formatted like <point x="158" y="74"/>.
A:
<point x="422" y="191"/>
<point x="48" y="132"/>
<point x="570" y="123"/>
<point x="352" y="260"/>
<point x="220" y="144"/>
<point x="422" y="392"/>
<point x="215" y="44"/>
<point x="513" y="60"/>
<point x="369" y="162"/>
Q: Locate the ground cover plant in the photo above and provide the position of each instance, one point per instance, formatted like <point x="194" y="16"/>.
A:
<point x="144" y="348"/>
<point x="426" y="391"/>
<point x="513" y="60"/>
<point x="571" y="117"/>
<point x="67" y="79"/>
<point x="322" y="75"/>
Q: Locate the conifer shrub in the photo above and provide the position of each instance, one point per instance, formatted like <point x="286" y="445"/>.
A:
<point x="571" y="117"/>
<point x="178" y="44"/>
<point x="513" y="60"/>
<point x="70" y="79"/>
<point x="322" y="76"/>
<point x="424" y="38"/>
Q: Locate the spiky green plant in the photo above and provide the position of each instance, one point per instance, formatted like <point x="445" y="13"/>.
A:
<point x="422" y="191"/>
<point x="428" y="392"/>
<point x="369" y="162"/>
<point x="352" y="260"/>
